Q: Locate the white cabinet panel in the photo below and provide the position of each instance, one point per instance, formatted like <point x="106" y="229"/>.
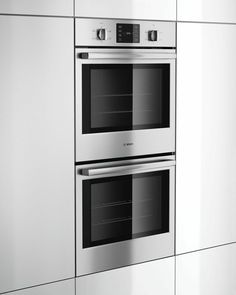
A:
<point x="40" y="7"/>
<point x="36" y="151"/>
<point x="156" y="277"/>
<point x="207" y="10"/>
<point x="59" y="288"/>
<point x="207" y="272"/>
<point x="206" y="136"/>
<point x="135" y="9"/>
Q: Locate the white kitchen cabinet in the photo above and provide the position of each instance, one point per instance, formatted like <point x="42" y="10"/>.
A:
<point x="37" y="7"/>
<point x="207" y="10"/>
<point x="66" y="287"/>
<point x="207" y="272"/>
<point x="130" y="9"/>
<point x="156" y="277"/>
<point x="206" y="136"/>
<point x="36" y="151"/>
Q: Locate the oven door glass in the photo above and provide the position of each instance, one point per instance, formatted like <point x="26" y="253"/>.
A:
<point x="119" y="97"/>
<point x="125" y="207"/>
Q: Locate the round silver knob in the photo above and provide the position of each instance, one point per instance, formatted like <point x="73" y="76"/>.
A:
<point x="102" y="34"/>
<point x="152" y="35"/>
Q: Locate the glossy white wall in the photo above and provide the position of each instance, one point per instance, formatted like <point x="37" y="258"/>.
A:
<point x="207" y="272"/>
<point x="156" y="277"/>
<point x="207" y="10"/>
<point x="206" y="136"/>
<point x="131" y="9"/>
<point x="59" y="288"/>
<point x="36" y="151"/>
<point x="39" y="7"/>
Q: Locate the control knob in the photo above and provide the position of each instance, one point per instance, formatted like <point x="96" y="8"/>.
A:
<point x="102" y="34"/>
<point x="152" y="35"/>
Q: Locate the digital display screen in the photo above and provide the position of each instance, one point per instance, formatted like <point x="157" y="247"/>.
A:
<point x="127" y="33"/>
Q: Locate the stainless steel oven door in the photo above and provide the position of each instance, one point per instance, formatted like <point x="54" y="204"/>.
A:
<point x="125" y="103"/>
<point x="125" y="213"/>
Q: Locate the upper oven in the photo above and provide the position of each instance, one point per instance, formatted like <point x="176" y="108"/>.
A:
<point x="125" y="94"/>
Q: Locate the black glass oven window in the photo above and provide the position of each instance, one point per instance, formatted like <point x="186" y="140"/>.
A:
<point x="125" y="207"/>
<point x="125" y="97"/>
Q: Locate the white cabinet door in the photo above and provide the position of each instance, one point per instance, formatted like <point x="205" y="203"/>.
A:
<point x="207" y="10"/>
<point x="60" y="288"/>
<point x="207" y="272"/>
<point x="150" y="278"/>
<point x="135" y="9"/>
<point x="38" y="7"/>
<point x="36" y="151"/>
<point x="206" y="136"/>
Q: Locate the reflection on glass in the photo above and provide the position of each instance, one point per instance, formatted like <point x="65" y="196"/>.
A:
<point x="125" y="207"/>
<point x="125" y="97"/>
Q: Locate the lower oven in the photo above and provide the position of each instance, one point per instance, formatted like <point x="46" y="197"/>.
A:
<point x="125" y="213"/>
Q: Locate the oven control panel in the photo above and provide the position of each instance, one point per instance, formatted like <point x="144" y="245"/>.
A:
<point x="120" y="33"/>
<point x="127" y="33"/>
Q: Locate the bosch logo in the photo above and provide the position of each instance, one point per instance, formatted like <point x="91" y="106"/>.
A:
<point x="128" y="144"/>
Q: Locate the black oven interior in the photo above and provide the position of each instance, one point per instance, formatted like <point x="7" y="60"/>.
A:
<point x="119" y="97"/>
<point x="125" y="207"/>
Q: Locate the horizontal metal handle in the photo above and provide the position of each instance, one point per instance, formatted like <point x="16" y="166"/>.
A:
<point x="128" y="168"/>
<point x="120" y="55"/>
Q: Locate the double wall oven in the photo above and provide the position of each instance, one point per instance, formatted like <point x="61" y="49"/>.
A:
<point x="125" y="142"/>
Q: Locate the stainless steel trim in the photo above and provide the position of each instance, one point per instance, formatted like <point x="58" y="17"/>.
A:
<point x="128" y="168"/>
<point x="130" y="55"/>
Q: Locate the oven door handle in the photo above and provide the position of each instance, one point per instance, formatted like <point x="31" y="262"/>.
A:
<point x="133" y="168"/>
<point x="125" y="55"/>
